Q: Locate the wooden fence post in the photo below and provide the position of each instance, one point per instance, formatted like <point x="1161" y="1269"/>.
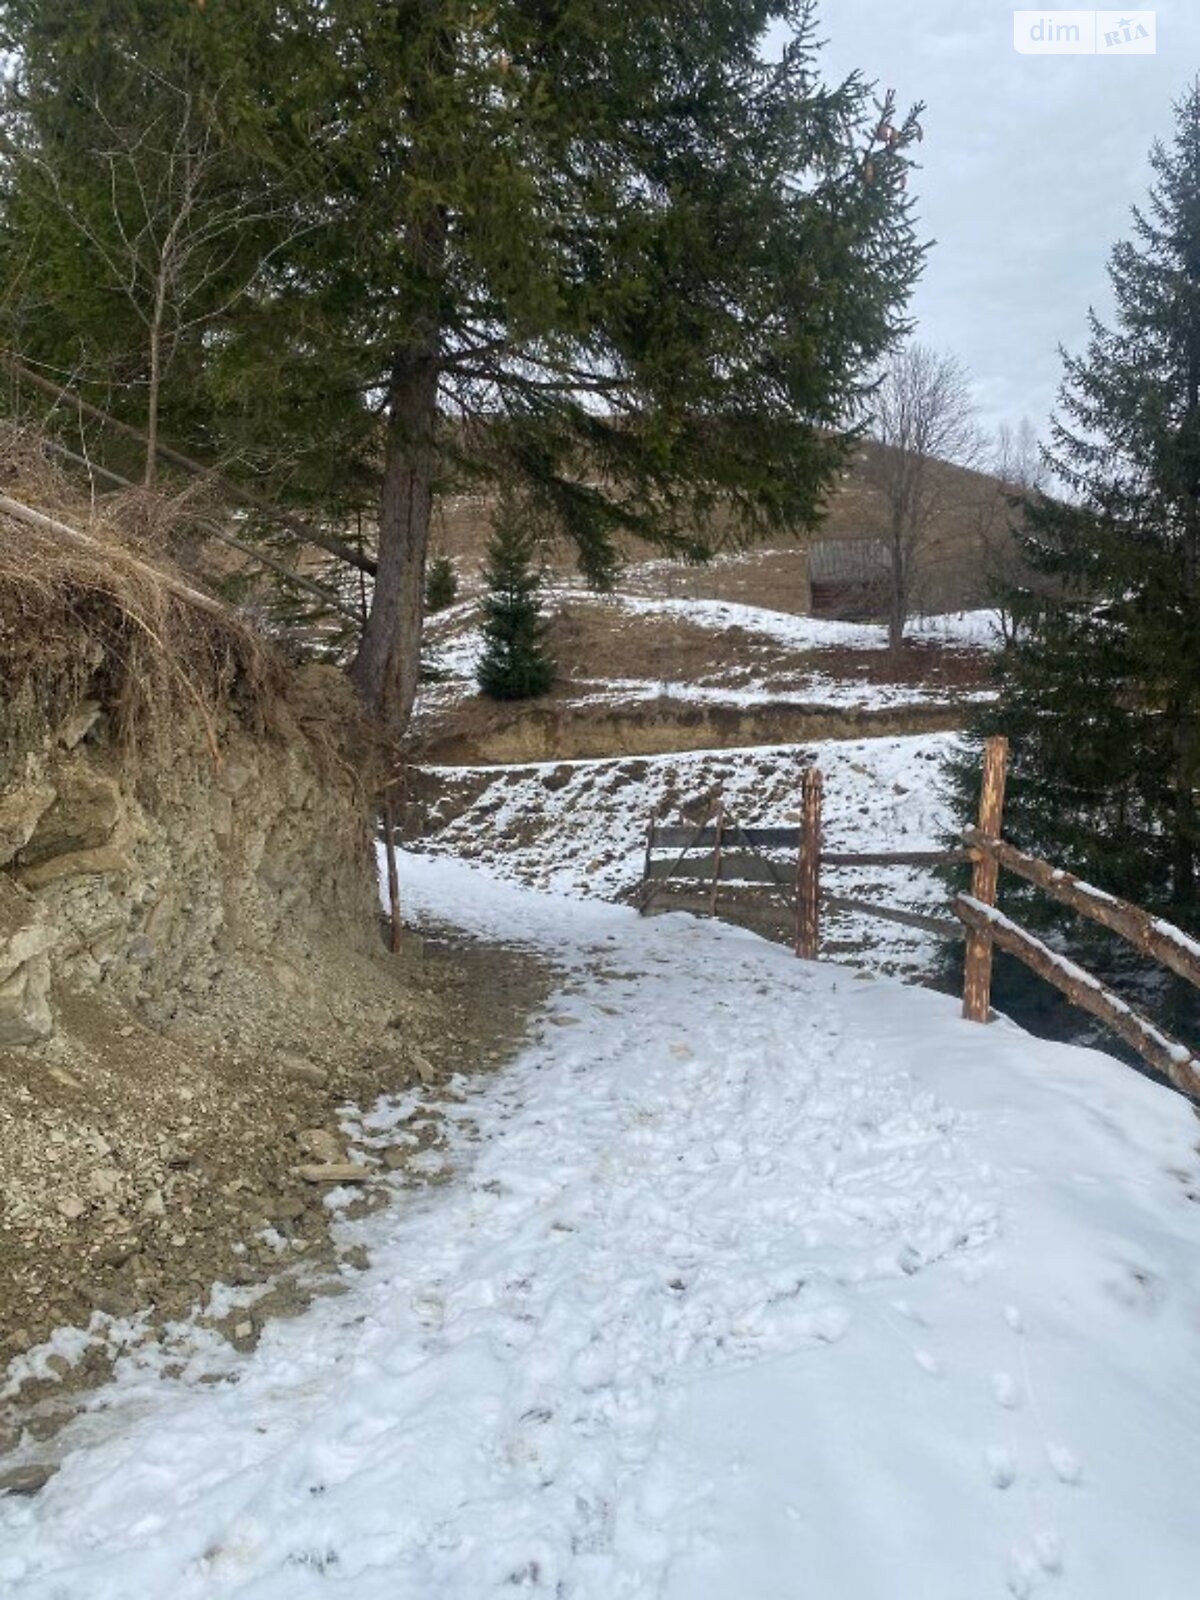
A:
<point x="646" y="893"/>
<point x="393" y="877"/>
<point x="717" y="842"/>
<point x="808" y="867"/>
<point x="977" y="970"/>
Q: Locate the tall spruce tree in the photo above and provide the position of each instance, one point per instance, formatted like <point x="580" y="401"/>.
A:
<point x="636" y="258"/>
<point x="515" y="664"/>
<point x="1100" y="692"/>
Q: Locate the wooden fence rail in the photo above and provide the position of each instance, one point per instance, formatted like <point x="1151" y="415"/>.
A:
<point x="942" y="927"/>
<point x="1175" y="1061"/>
<point x="1149" y="934"/>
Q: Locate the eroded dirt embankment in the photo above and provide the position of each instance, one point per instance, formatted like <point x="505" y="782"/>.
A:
<point x="500" y="735"/>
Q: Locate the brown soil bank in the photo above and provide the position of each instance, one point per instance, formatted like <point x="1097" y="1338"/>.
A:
<point x="508" y="736"/>
<point x="192" y="973"/>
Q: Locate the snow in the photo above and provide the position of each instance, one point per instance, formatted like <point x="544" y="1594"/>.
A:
<point x="455" y="646"/>
<point x="753" y="1278"/>
<point x="811" y="689"/>
<point x="976" y="629"/>
<point x="580" y="827"/>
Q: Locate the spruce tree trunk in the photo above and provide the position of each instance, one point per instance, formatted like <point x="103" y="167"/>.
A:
<point x="1184" y="875"/>
<point x="1184" y="719"/>
<point x="898" y="597"/>
<point x="386" y="670"/>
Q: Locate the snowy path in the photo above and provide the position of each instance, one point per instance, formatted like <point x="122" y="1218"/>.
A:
<point x="760" y="1281"/>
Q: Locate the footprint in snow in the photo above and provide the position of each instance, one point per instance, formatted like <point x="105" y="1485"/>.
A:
<point x="1005" y="1391"/>
<point x="1029" y="1569"/>
<point x="1066" y="1464"/>
<point x="1001" y="1467"/>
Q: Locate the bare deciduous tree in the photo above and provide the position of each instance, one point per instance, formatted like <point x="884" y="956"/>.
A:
<point x="1015" y="461"/>
<point x="1017" y="457"/>
<point x="924" y="416"/>
<point x="168" y="225"/>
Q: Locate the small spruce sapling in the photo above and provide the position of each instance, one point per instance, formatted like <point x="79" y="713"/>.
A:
<point x="441" y="585"/>
<point x="515" y="664"/>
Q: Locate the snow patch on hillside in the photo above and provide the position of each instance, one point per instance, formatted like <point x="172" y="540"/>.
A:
<point x="977" y="629"/>
<point x="454" y="646"/>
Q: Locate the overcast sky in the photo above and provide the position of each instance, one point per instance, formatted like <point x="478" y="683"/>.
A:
<point x="1029" y="167"/>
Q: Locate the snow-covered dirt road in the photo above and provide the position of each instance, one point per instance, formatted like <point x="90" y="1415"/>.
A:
<point x="755" y="1279"/>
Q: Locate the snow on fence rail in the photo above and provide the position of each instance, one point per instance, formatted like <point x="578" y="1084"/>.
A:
<point x="718" y="850"/>
<point x="1166" y="1055"/>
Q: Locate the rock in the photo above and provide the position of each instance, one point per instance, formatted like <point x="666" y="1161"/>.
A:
<point x="423" y="1069"/>
<point x="84" y="816"/>
<point x="333" y="1172"/>
<point x="25" y="1015"/>
<point x="117" y="1253"/>
<point x="302" y="1070"/>
<point x="71" y="1207"/>
<point x="155" y="1205"/>
<point x="25" y="942"/>
<point x="395" y="1157"/>
<point x="115" y="1302"/>
<point x="233" y="777"/>
<point x="29" y="1479"/>
<point x="64" y="1079"/>
<point x="321" y="1145"/>
<point x="243" y="1335"/>
<point x="221" y="810"/>
<point x="99" y="862"/>
<point x="106" y="1181"/>
<point x="75" y="728"/>
<point x="21" y="809"/>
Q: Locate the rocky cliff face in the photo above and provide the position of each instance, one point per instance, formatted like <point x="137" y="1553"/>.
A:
<point x="192" y="978"/>
<point x="146" y="883"/>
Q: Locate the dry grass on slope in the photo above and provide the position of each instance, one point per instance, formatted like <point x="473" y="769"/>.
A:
<point x="112" y="616"/>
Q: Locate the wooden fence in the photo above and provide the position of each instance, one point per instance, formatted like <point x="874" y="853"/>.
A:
<point x="987" y="928"/>
<point x="719" y="850"/>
